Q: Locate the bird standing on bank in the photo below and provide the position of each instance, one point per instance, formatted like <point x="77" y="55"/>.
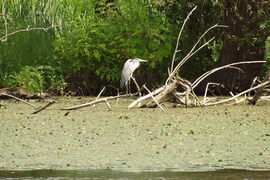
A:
<point x="129" y="67"/>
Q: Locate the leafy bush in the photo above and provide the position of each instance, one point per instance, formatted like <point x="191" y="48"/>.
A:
<point x="95" y="39"/>
<point x="33" y="48"/>
<point x="99" y="45"/>
<point x="266" y="58"/>
<point x="37" y="79"/>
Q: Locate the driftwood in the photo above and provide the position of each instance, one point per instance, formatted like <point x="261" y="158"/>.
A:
<point x="18" y="99"/>
<point x="15" y="94"/>
<point x="163" y="96"/>
<point x="102" y="100"/>
<point x="166" y="96"/>
<point x="155" y="92"/>
<point x="238" y="95"/>
<point x="178" y="39"/>
<point x="100" y="94"/>
<point x="169" y="92"/>
<point x="107" y="103"/>
<point x="43" y="107"/>
<point x="259" y="92"/>
<point x="20" y="93"/>
<point x="232" y="65"/>
<point x="137" y="86"/>
<point x="105" y="100"/>
<point x="206" y="90"/>
<point x="154" y="98"/>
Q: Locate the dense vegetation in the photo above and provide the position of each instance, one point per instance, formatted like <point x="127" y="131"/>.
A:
<point x="95" y="38"/>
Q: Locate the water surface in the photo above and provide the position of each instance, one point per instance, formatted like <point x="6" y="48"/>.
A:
<point x="107" y="174"/>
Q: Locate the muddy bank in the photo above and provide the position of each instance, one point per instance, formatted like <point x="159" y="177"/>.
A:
<point x="180" y="139"/>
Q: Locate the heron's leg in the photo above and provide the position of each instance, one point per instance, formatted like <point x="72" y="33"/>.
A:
<point x="129" y="87"/>
<point x="126" y="85"/>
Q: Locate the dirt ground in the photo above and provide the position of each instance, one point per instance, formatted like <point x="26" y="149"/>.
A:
<point x="179" y="139"/>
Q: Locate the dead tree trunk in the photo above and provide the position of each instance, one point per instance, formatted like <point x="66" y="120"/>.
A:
<point x="163" y="96"/>
<point x="169" y="94"/>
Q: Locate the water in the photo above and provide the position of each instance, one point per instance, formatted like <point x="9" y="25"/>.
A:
<point x="106" y="174"/>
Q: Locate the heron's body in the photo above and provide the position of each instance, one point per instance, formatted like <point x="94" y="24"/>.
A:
<point x="129" y="67"/>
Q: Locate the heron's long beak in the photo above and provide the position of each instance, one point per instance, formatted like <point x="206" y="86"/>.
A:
<point x="142" y="60"/>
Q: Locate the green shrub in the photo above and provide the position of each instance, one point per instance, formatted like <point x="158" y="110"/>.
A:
<point x="266" y="58"/>
<point x="37" y="79"/>
<point x="99" y="45"/>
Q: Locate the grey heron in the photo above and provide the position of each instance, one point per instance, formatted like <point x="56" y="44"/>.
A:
<point x="129" y="67"/>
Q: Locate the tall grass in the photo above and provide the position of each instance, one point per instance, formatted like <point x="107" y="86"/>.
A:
<point x="44" y="11"/>
<point x="34" y="48"/>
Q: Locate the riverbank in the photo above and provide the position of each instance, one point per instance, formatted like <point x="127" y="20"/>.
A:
<point x="179" y="139"/>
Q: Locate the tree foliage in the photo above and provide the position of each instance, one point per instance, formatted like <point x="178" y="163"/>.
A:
<point x="101" y="44"/>
<point x="96" y="37"/>
<point x="37" y="79"/>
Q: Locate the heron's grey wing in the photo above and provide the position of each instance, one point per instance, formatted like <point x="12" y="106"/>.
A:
<point x="126" y="73"/>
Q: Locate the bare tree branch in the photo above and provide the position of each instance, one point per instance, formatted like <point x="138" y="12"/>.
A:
<point x="206" y="90"/>
<point x="4" y="38"/>
<point x="192" y="52"/>
<point x="108" y="105"/>
<point x="155" y="92"/>
<point x="44" y="107"/>
<point x="178" y="39"/>
<point x="154" y="98"/>
<point x="202" y="77"/>
<point x="14" y="97"/>
<point x="240" y="94"/>
<point x="99" y="101"/>
<point x="100" y="94"/>
<point x="258" y="94"/>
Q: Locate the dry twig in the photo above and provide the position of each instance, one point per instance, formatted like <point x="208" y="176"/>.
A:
<point x="178" y="39"/>
<point x="44" y="107"/>
<point x="108" y="105"/>
<point x="137" y="86"/>
<point x="192" y="52"/>
<point x="252" y="84"/>
<point x="202" y="77"/>
<point x="21" y="100"/>
<point x="240" y="94"/>
<point x="258" y="94"/>
<point x="99" y="101"/>
<point x="4" y="38"/>
<point x="155" y="92"/>
<point x="153" y="98"/>
<point x="206" y="90"/>
<point x="100" y="94"/>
